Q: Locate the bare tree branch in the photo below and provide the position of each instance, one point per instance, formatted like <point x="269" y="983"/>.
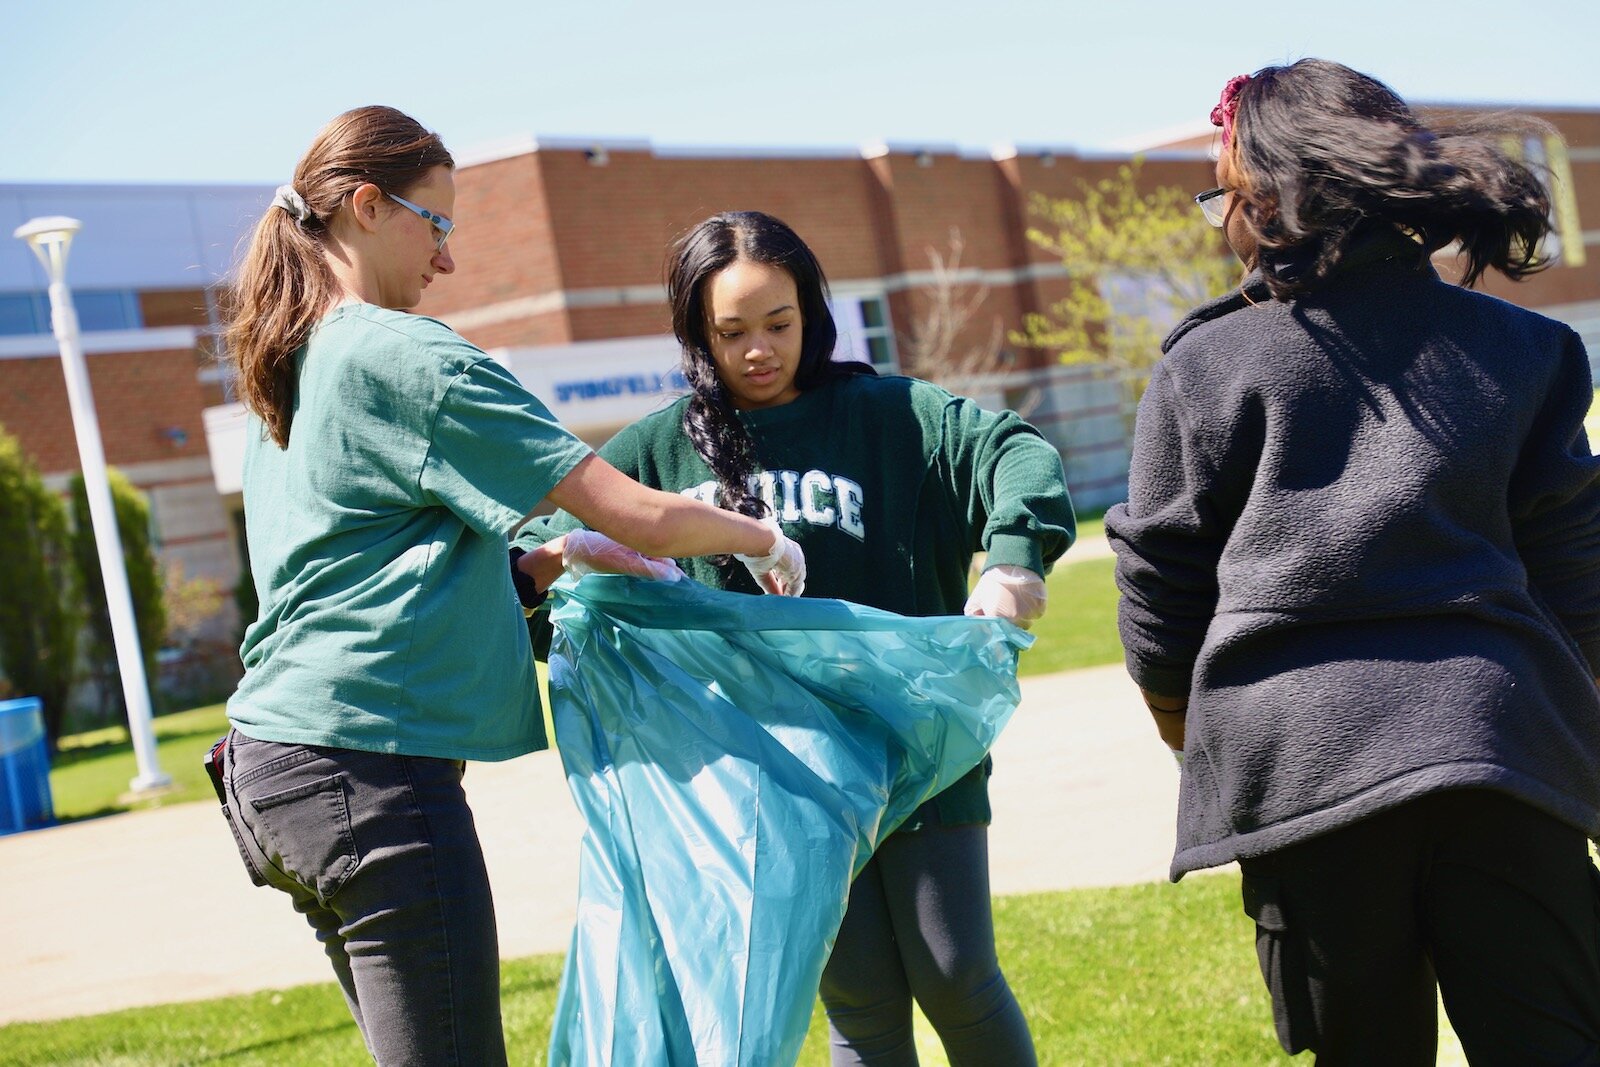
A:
<point x="949" y="311"/>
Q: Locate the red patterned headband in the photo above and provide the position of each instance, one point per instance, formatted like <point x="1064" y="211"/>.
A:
<point x="1222" y="115"/>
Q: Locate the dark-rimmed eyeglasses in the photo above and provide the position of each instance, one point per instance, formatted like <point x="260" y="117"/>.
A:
<point x="1213" y="205"/>
<point x="442" y="227"/>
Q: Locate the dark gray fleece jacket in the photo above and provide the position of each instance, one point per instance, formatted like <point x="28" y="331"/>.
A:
<point x="1362" y="536"/>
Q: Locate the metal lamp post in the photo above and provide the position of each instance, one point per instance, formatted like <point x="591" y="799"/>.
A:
<point x="50" y="237"/>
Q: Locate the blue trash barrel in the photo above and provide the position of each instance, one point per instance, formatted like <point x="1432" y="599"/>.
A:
<point x="25" y="802"/>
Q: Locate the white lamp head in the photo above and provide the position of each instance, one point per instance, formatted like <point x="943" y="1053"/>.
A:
<point x="50" y="237"/>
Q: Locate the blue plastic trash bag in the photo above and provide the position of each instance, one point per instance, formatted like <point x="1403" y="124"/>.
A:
<point x="737" y="760"/>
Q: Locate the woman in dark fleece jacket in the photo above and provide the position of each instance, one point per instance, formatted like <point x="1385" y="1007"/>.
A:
<point x="1360" y="575"/>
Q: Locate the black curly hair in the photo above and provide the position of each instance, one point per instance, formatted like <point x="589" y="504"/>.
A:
<point x="1321" y="150"/>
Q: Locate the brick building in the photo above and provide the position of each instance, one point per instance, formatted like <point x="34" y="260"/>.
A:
<point x="140" y="273"/>
<point x="559" y="272"/>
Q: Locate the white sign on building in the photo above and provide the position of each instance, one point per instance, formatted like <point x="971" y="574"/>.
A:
<point x="594" y="387"/>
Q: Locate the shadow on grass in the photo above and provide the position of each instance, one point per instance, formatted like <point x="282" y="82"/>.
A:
<point x="283" y="1041"/>
<point x="515" y="983"/>
<point x="67" y="757"/>
<point x="84" y="816"/>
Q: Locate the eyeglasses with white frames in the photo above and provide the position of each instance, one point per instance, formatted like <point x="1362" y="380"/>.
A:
<point x="442" y="227"/>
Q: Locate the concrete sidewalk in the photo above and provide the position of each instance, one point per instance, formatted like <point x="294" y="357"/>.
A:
<point x="154" y="906"/>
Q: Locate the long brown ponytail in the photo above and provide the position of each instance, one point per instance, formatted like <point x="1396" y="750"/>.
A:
<point x="284" y="286"/>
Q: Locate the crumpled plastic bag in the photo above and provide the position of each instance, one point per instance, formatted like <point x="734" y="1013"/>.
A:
<point x="737" y="759"/>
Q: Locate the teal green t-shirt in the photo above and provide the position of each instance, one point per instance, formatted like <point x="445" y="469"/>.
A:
<point x="378" y="543"/>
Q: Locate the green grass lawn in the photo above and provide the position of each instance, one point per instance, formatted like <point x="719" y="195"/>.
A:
<point x="92" y="770"/>
<point x="1154" y="974"/>
<point x="1079" y="628"/>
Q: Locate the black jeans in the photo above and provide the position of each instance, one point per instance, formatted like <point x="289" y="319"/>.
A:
<point x="380" y="854"/>
<point x="1494" y="900"/>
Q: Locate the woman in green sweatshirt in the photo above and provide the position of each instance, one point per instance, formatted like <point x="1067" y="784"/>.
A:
<point x="890" y="485"/>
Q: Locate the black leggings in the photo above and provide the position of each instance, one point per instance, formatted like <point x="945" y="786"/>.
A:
<point x="919" y="924"/>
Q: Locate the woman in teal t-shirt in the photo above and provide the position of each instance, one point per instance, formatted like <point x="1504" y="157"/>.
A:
<point x="891" y="485"/>
<point x="389" y="463"/>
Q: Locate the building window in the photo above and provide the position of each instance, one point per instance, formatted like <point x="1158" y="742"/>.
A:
<point x="108" y="309"/>
<point x="19" y="315"/>
<point x="1548" y="158"/>
<point x="865" y="332"/>
<point x="98" y="309"/>
<point x="1565" y="243"/>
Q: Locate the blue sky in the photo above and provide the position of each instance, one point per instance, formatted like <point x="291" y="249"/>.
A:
<point x="181" y="91"/>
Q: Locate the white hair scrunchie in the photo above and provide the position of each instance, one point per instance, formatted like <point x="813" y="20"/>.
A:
<point x="293" y="203"/>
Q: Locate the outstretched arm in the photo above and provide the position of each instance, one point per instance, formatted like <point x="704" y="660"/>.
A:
<point x="661" y="524"/>
<point x="1009" y="481"/>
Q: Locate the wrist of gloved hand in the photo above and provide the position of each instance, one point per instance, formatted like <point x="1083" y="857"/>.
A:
<point x="785" y="564"/>
<point x="588" y="552"/>
<point x="1006" y="591"/>
<point x="764" y="563"/>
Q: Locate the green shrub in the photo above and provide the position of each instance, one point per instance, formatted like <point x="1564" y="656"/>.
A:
<point x="39" y="614"/>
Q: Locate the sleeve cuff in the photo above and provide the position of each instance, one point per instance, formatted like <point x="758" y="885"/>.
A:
<point x="1017" y="550"/>
<point x="1162" y="681"/>
<point x="528" y="594"/>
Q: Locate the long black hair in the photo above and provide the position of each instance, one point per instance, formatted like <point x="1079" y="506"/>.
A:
<point x="710" y="421"/>
<point x="1322" y="149"/>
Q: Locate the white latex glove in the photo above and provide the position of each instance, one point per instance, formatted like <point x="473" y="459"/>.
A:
<point x="782" y="570"/>
<point x="587" y="552"/>
<point x="1009" y="592"/>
